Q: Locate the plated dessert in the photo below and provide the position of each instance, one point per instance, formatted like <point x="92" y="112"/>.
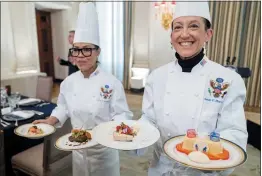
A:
<point x="202" y="149"/>
<point x="124" y="132"/>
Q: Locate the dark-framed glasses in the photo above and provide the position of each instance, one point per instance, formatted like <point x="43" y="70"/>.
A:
<point x="86" y="52"/>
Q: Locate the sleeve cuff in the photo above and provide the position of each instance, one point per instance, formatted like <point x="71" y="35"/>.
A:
<point x="61" y="118"/>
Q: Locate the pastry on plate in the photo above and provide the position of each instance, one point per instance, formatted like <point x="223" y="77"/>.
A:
<point x="124" y="132"/>
<point x="210" y="145"/>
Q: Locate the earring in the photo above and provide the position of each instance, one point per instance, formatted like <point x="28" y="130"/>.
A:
<point x="171" y="45"/>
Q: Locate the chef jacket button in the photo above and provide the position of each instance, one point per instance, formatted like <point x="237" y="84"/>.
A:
<point x="167" y="92"/>
<point x="168" y="134"/>
<point x="167" y="114"/>
<point x="193" y="117"/>
<point x="196" y="95"/>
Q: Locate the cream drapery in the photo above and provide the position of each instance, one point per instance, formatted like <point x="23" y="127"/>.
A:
<point x="128" y="43"/>
<point x="237" y="34"/>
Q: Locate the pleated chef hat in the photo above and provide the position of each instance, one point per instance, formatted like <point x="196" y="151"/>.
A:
<point x="87" y="30"/>
<point x="194" y="8"/>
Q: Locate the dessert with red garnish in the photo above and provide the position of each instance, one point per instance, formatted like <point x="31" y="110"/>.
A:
<point x="125" y="133"/>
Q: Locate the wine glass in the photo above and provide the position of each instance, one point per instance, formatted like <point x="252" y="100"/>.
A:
<point x="12" y="102"/>
<point x="3" y="97"/>
<point x="18" y="98"/>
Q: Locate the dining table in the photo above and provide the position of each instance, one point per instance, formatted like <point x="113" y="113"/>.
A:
<point x="13" y="143"/>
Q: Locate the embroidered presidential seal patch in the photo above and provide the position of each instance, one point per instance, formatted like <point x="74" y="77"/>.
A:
<point x="106" y="93"/>
<point x="218" y="88"/>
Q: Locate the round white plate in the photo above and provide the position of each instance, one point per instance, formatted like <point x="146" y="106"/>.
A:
<point x="63" y="143"/>
<point x="15" y="115"/>
<point x="237" y="155"/>
<point x="146" y="136"/>
<point x="29" y="102"/>
<point x="23" y="130"/>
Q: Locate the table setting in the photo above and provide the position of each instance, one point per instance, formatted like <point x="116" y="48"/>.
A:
<point x="17" y="112"/>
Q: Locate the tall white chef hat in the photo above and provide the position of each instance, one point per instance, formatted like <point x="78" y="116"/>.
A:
<point x="87" y="30"/>
<point x="192" y="8"/>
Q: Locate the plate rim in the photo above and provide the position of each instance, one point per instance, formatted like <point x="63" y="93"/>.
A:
<point x="34" y="137"/>
<point x="33" y="113"/>
<point x="95" y="129"/>
<point x="37" y="101"/>
<point x="208" y="169"/>
<point x="68" y="150"/>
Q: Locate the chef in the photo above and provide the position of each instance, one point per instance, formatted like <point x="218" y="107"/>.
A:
<point x="192" y="92"/>
<point x="89" y="97"/>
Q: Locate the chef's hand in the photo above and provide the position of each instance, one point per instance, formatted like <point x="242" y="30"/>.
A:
<point x="57" y="59"/>
<point x="50" y="120"/>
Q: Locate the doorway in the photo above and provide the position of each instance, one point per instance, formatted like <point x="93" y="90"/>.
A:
<point x="45" y="48"/>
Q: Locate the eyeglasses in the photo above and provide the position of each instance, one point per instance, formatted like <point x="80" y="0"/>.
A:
<point x="86" y="52"/>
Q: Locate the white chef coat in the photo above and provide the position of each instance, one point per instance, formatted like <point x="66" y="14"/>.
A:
<point x="175" y="101"/>
<point x="89" y="102"/>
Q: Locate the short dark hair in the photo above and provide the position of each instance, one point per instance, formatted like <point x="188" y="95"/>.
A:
<point x="96" y="47"/>
<point x="207" y="24"/>
<point x="72" y="31"/>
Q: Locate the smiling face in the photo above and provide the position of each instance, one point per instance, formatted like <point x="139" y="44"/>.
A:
<point x="189" y="35"/>
<point x="85" y="55"/>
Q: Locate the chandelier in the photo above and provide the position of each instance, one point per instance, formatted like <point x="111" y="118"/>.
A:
<point x="164" y="11"/>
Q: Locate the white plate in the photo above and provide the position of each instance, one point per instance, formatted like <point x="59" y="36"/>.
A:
<point x="237" y="155"/>
<point x="18" y="115"/>
<point x="146" y="136"/>
<point x="23" y="130"/>
<point x="62" y="143"/>
<point x="29" y="101"/>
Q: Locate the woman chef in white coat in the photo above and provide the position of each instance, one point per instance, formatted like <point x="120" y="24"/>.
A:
<point x="192" y="92"/>
<point x="89" y="97"/>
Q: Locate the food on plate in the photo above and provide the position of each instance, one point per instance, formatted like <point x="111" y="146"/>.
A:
<point x="34" y="130"/>
<point x="210" y="145"/>
<point x="125" y="133"/>
<point x="79" y="135"/>
<point x="199" y="157"/>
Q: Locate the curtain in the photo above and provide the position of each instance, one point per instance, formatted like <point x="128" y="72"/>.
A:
<point x="237" y="34"/>
<point x="128" y="42"/>
<point x="111" y="30"/>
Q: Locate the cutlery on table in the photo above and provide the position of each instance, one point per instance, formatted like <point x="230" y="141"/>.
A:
<point x="5" y="123"/>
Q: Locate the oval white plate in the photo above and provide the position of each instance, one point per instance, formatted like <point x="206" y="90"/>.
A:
<point x="62" y="143"/>
<point x="147" y="135"/>
<point x="23" y="130"/>
<point x="237" y="155"/>
<point x="13" y="116"/>
<point x="29" y="101"/>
